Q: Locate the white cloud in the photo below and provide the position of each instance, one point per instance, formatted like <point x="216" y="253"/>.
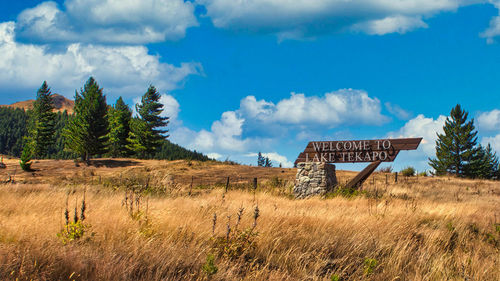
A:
<point x="494" y="29"/>
<point x="120" y="70"/>
<point x="493" y="141"/>
<point x="260" y="124"/>
<point x="171" y="107"/>
<point x="421" y="126"/>
<point x="392" y="24"/>
<point x="276" y="158"/>
<point x="489" y="121"/>
<point x="396" y="110"/>
<point x="304" y="18"/>
<point x="214" y="155"/>
<point x="107" y="21"/>
<point x="342" y="107"/>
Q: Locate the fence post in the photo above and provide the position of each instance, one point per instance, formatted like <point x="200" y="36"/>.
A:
<point x="227" y="184"/>
<point x="396" y="177"/>
<point x="191" y="186"/>
<point x="254" y="184"/>
<point x="385" y="179"/>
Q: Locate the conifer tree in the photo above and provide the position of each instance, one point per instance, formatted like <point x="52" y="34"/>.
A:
<point x="86" y="133"/>
<point x="119" y="118"/>
<point x="146" y="135"/>
<point x="456" y="148"/>
<point x="267" y="162"/>
<point x="26" y="155"/>
<point x="485" y="163"/>
<point x="260" y="160"/>
<point x="42" y="121"/>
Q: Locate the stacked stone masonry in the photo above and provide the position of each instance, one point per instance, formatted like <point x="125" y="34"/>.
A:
<point x="314" y="179"/>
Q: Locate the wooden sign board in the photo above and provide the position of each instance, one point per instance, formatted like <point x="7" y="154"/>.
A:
<point x="357" y="151"/>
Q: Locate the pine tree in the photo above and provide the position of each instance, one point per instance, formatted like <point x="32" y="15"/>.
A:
<point x="146" y="135"/>
<point x="260" y="160"/>
<point x="267" y="162"/>
<point x="26" y="155"/>
<point x="86" y="133"/>
<point x="456" y="148"/>
<point x="485" y="163"/>
<point x="119" y="118"/>
<point x="42" y="121"/>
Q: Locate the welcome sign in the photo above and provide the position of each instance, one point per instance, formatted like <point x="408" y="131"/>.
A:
<point x="356" y="151"/>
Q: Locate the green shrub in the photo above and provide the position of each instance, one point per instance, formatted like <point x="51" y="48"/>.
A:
<point x="387" y="169"/>
<point x="233" y="246"/>
<point x="408" y="171"/>
<point x="370" y="265"/>
<point x="209" y="267"/>
<point x="72" y="231"/>
<point x="25" y="161"/>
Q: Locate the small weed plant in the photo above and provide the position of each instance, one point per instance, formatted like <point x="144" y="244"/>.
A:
<point x="77" y="228"/>
<point x="236" y="244"/>
<point x="370" y="265"/>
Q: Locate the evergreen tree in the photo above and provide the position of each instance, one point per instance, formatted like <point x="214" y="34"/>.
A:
<point x="86" y="133"/>
<point x="260" y="160"/>
<point x="456" y="148"/>
<point x="146" y="135"/>
<point x="485" y="164"/>
<point x="119" y="118"/>
<point x="42" y="122"/>
<point x="13" y="130"/>
<point x="26" y="155"/>
<point x="267" y="162"/>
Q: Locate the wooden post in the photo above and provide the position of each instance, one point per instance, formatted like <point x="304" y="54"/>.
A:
<point x="385" y="179"/>
<point x="396" y="177"/>
<point x="254" y="184"/>
<point x="191" y="186"/>
<point x="358" y="180"/>
<point x="227" y="184"/>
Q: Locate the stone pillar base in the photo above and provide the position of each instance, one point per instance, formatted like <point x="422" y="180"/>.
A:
<point x="314" y="179"/>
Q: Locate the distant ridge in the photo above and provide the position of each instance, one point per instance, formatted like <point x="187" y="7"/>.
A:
<point x="60" y="104"/>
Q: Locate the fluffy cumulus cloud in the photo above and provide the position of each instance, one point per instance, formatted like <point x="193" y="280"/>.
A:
<point x="494" y="29"/>
<point x="275" y="158"/>
<point x="346" y="106"/>
<point x="396" y="110"/>
<point x="261" y="125"/>
<point x="303" y="18"/>
<point x="122" y="70"/>
<point x="493" y="141"/>
<point x="489" y="121"/>
<point x="425" y="127"/>
<point x="107" y="21"/>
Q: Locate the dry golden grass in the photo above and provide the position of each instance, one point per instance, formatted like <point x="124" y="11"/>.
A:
<point x="430" y="229"/>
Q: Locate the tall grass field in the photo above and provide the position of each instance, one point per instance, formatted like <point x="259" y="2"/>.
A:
<point x="136" y="222"/>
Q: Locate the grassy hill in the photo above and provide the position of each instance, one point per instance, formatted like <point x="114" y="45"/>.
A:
<point x="60" y="104"/>
<point x="149" y="220"/>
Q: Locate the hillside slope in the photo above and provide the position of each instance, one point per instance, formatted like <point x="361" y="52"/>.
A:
<point x="60" y="104"/>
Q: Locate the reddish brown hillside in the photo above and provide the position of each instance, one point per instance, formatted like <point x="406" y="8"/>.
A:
<point x="60" y="103"/>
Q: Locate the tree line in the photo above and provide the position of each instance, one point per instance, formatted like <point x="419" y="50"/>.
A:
<point x="95" y="129"/>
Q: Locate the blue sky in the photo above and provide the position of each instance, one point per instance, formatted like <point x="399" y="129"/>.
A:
<point x="239" y="77"/>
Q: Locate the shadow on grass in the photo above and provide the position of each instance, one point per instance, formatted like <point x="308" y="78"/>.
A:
<point x="114" y="163"/>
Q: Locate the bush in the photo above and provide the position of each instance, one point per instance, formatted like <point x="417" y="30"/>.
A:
<point x="387" y="169"/>
<point x="72" y="231"/>
<point x="25" y="161"/>
<point x="408" y="171"/>
<point x="209" y="267"/>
